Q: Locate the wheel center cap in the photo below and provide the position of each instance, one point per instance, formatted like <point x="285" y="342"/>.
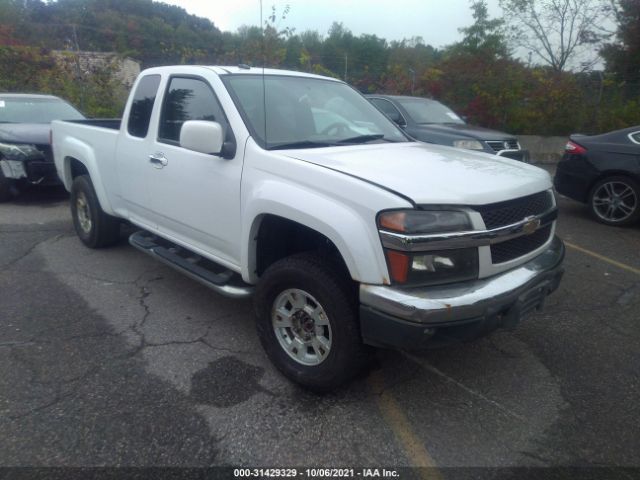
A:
<point x="308" y="324"/>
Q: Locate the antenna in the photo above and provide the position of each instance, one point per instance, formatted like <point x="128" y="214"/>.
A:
<point x="264" y="86"/>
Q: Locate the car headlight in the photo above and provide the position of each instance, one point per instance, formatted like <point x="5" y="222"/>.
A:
<point x="18" y="151"/>
<point x="430" y="267"/>
<point x="468" y="144"/>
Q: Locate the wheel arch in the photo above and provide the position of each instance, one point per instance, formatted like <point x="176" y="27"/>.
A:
<point x="339" y="230"/>
<point x="610" y="173"/>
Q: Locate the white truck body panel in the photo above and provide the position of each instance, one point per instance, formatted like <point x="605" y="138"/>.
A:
<point x="214" y="206"/>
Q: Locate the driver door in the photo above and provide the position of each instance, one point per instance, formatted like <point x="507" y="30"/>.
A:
<point x="195" y="196"/>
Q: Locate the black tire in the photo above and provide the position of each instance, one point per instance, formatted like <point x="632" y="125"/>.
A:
<point x="336" y="294"/>
<point x="6" y="190"/>
<point x="103" y="230"/>
<point x="620" y="184"/>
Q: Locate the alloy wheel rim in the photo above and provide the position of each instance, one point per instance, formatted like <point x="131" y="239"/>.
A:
<point x="302" y="327"/>
<point x="83" y="212"/>
<point x="615" y="201"/>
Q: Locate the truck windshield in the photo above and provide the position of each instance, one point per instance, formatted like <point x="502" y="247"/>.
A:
<point x="36" y="110"/>
<point x="422" y="110"/>
<point x="303" y="112"/>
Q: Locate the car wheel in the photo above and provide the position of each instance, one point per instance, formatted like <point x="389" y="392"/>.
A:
<point x="6" y="190"/>
<point x="615" y="201"/>
<point x="307" y="322"/>
<point x="95" y="228"/>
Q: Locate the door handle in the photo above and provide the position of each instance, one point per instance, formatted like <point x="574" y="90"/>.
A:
<point x="158" y="160"/>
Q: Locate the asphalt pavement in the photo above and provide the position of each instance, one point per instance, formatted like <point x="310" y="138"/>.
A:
<point x="109" y="358"/>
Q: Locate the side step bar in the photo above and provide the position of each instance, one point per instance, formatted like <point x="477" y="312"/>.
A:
<point x="201" y="269"/>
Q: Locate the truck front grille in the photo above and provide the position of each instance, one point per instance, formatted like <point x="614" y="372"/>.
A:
<point x="500" y="214"/>
<point x="518" y="247"/>
<point x="498" y="145"/>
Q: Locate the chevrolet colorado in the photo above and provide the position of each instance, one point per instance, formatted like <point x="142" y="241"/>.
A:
<point x="294" y="189"/>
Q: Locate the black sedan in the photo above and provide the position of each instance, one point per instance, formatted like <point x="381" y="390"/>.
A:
<point x="25" y="153"/>
<point x="603" y="171"/>
<point x="432" y="122"/>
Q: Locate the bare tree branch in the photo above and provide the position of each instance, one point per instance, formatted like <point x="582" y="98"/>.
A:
<point x="561" y="33"/>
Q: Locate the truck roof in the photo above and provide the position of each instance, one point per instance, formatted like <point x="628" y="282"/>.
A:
<point x="27" y="95"/>
<point x="241" y="70"/>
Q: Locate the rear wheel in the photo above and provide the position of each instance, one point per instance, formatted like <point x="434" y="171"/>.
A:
<point x="94" y="227"/>
<point x="615" y="201"/>
<point x="307" y="322"/>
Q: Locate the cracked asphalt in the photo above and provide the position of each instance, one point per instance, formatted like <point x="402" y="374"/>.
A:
<point x="109" y="358"/>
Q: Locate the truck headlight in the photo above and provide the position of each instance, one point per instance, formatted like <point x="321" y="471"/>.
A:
<point x="423" y="221"/>
<point x="19" y="151"/>
<point x="430" y="267"/>
<point x="468" y="144"/>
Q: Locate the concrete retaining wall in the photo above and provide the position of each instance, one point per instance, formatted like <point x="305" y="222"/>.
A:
<point x="544" y="150"/>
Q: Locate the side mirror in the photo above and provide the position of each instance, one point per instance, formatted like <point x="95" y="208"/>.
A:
<point x="202" y="136"/>
<point x="397" y="118"/>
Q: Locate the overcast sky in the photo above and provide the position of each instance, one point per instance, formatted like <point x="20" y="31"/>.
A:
<point x="437" y="21"/>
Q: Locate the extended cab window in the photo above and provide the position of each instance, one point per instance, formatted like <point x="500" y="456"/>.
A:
<point x="142" y="106"/>
<point x="187" y="99"/>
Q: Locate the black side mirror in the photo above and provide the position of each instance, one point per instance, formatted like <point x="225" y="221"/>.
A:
<point x="397" y="118"/>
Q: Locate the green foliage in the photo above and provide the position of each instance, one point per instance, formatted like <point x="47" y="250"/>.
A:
<point x="623" y="56"/>
<point x="29" y="69"/>
<point x="485" y="37"/>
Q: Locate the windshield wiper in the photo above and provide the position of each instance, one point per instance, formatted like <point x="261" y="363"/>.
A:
<point x="300" y="144"/>
<point x="363" y="138"/>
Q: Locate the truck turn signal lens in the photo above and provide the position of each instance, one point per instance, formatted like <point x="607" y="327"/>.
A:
<point x="398" y="266"/>
<point x="394" y="221"/>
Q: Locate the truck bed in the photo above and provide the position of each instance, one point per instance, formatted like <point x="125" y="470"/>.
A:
<point x="110" y="123"/>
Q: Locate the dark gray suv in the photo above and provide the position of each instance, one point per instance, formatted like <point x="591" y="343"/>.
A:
<point x="432" y="122"/>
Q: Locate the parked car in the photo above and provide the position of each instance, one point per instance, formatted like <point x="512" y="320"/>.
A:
<point x="432" y="122"/>
<point x="603" y="171"/>
<point x="344" y="238"/>
<point x="25" y="153"/>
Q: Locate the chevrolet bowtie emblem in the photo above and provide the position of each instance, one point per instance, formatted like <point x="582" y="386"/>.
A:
<point x="531" y="225"/>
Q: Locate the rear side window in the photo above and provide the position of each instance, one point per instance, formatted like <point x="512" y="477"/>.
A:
<point x="187" y="99"/>
<point x="142" y="106"/>
<point x="635" y="137"/>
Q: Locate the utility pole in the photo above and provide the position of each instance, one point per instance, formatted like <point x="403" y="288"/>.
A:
<point x="346" y="66"/>
<point x="79" y="75"/>
<point x="413" y="79"/>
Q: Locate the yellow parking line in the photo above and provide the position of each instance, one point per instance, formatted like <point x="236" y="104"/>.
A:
<point x="401" y="427"/>
<point x="624" y="266"/>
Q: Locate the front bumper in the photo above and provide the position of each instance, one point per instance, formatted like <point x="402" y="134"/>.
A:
<point x="33" y="171"/>
<point x="413" y="318"/>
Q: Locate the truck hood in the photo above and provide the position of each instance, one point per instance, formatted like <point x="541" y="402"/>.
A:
<point x="432" y="174"/>
<point x="32" y="133"/>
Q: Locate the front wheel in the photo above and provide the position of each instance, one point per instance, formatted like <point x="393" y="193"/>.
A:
<point x="94" y="227"/>
<point x="307" y="322"/>
<point x="615" y="201"/>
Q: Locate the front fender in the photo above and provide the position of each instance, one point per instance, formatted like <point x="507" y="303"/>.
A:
<point x="354" y="234"/>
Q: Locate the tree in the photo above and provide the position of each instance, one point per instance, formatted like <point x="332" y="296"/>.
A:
<point x="485" y="36"/>
<point x="562" y="33"/>
<point x="623" y="56"/>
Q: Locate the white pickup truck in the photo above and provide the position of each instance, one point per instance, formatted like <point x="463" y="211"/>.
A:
<point x="293" y="188"/>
